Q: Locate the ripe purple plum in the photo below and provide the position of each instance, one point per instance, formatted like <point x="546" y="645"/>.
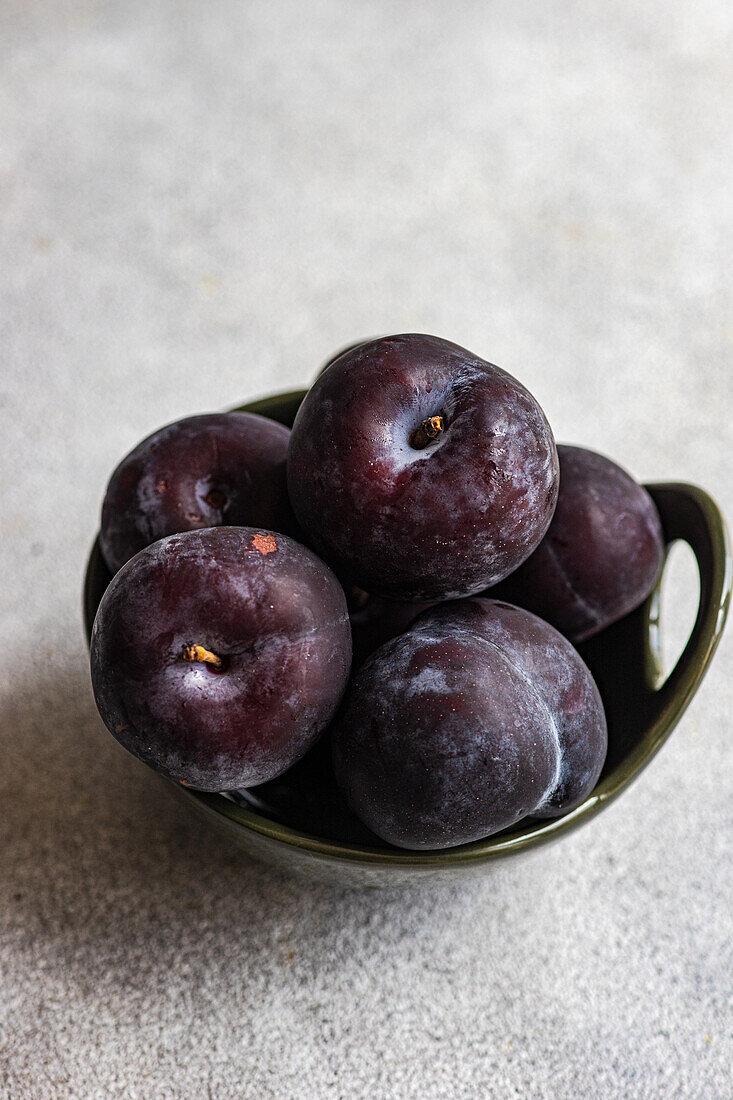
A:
<point x="420" y="472"/>
<point x="479" y="715"/>
<point x="211" y="470"/>
<point x="219" y="656"/>
<point x="603" y="552"/>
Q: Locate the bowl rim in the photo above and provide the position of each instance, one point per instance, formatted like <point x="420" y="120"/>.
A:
<point x="673" y="697"/>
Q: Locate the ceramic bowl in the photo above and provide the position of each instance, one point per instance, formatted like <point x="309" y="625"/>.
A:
<point x="297" y="825"/>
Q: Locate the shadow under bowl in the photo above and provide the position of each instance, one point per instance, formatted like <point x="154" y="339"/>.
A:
<point x="298" y="821"/>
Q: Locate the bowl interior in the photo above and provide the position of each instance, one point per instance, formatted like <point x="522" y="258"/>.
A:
<point x="303" y="808"/>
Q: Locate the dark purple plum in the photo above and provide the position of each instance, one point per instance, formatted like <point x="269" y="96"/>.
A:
<point x="204" y="471"/>
<point x="219" y="656"/>
<point x="476" y="717"/>
<point x="420" y="472"/>
<point x="375" y="621"/>
<point x="603" y="552"/>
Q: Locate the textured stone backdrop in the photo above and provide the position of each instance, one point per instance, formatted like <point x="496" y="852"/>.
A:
<point x="199" y="203"/>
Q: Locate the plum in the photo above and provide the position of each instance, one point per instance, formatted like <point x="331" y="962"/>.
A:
<point x="219" y="656"/>
<point x="203" y="471"/>
<point x="479" y="715"/>
<point x="603" y="552"/>
<point x="420" y="472"/>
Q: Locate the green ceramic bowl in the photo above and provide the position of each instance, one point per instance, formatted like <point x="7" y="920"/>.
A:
<point x="625" y="660"/>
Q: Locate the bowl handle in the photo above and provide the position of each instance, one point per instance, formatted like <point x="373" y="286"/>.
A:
<point x="688" y="513"/>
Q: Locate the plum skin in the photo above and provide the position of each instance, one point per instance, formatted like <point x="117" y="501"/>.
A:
<point x="479" y="715"/>
<point x="434" y="523"/>
<point x="268" y="608"/>
<point x="203" y="471"/>
<point x="603" y="552"/>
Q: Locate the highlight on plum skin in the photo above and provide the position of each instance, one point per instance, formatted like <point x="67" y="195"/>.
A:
<point x="603" y="552"/>
<point x="420" y="472"/>
<point x="478" y="716"/>
<point x="219" y="656"/>
<point x="203" y="471"/>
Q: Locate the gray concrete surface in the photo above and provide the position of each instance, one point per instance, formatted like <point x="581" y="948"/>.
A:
<point x="199" y="203"/>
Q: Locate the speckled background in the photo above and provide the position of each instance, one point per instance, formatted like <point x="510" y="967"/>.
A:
<point x="199" y="203"/>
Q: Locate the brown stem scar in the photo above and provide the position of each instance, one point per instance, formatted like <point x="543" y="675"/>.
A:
<point x="427" y="432"/>
<point x="198" y="653"/>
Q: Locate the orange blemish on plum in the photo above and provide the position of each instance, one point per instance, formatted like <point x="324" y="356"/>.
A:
<point x="264" y="544"/>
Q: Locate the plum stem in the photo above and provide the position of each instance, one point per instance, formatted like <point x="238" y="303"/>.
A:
<point x="198" y="653"/>
<point x="427" y="432"/>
